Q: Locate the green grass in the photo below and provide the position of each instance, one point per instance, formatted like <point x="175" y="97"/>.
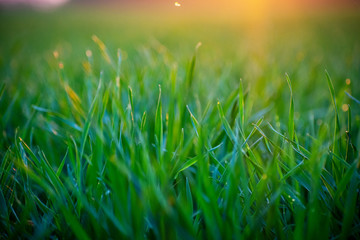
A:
<point x="253" y="134"/>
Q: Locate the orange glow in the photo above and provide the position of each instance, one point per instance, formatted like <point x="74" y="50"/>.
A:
<point x="56" y="54"/>
<point x="262" y="9"/>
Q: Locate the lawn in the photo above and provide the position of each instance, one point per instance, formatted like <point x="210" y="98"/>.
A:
<point x="118" y="125"/>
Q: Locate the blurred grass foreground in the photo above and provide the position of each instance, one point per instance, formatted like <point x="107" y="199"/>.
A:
<point x="180" y="120"/>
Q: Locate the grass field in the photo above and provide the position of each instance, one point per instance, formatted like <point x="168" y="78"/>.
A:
<point x="170" y="127"/>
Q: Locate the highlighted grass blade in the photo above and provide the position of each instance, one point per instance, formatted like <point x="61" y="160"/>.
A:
<point x="103" y="50"/>
<point x="159" y="127"/>
<point x="291" y="123"/>
<point x="228" y="130"/>
<point x="89" y="118"/>
<point x="354" y="99"/>
<point x="191" y="69"/>
<point x="336" y="146"/>
<point x="241" y="106"/>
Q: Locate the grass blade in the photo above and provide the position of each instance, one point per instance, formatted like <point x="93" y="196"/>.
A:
<point x="291" y="123"/>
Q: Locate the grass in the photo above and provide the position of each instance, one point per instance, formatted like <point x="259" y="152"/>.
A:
<point x="162" y="139"/>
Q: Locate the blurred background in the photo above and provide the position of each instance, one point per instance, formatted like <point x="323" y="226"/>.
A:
<point x="189" y="4"/>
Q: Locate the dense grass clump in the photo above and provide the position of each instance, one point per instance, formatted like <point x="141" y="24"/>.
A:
<point x="163" y="140"/>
